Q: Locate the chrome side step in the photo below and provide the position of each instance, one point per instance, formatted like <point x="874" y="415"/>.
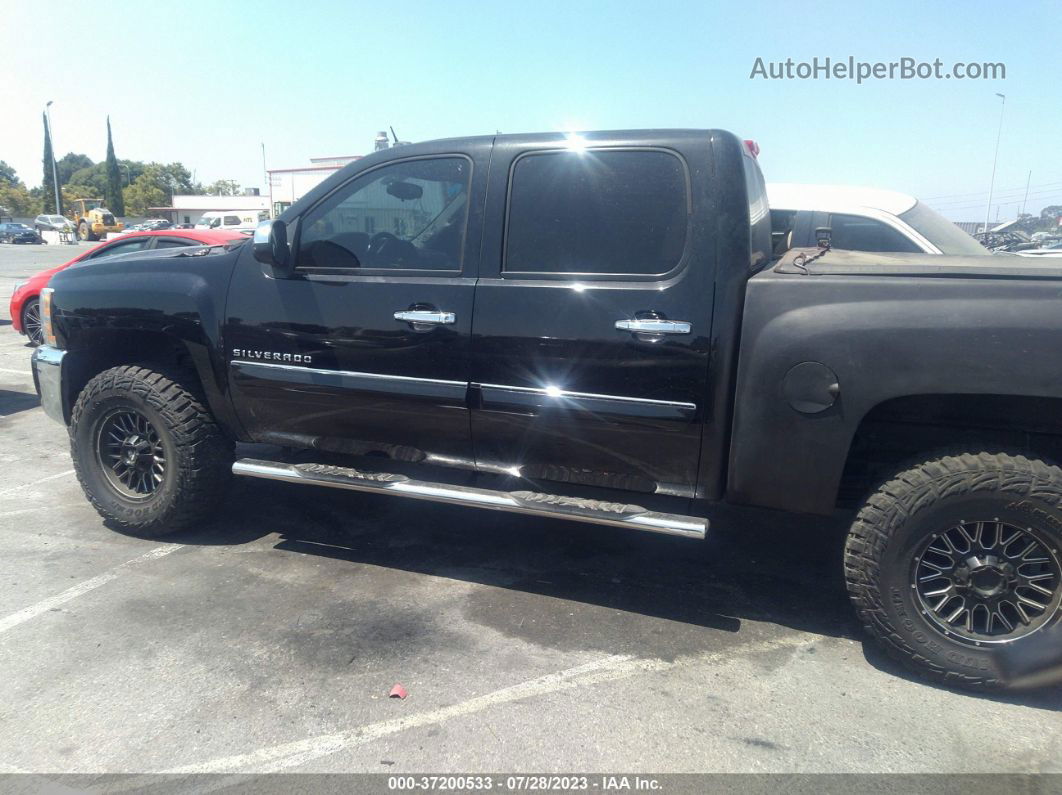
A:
<point x="529" y="502"/>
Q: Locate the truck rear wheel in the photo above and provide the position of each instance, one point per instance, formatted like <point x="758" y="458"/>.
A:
<point x="84" y="231"/>
<point x="954" y="566"/>
<point x="147" y="453"/>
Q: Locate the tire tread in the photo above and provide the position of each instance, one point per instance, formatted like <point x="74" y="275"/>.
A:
<point x="203" y="456"/>
<point x="905" y="494"/>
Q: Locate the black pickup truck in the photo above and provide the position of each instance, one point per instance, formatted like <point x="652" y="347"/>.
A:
<point x="593" y="327"/>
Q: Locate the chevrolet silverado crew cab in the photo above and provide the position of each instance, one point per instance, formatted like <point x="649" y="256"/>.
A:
<point x="593" y="327"/>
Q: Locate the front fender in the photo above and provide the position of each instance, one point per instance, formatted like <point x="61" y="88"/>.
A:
<point x="129" y="310"/>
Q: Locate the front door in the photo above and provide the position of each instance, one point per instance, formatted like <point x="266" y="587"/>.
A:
<point x="593" y="313"/>
<point x="365" y="348"/>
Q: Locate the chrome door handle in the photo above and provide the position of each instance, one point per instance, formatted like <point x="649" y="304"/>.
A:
<point x="655" y="326"/>
<point x="426" y="316"/>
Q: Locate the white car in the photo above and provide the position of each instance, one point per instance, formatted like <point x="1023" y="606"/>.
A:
<point x="862" y="219"/>
<point x="232" y="220"/>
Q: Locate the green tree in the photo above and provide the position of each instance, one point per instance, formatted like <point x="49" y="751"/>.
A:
<point x="78" y="192"/>
<point x="96" y="175"/>
<point x="224" y="187"/>
<point x="174" y="178"/>
<point x="18" y="201"/>
<point x="145" y="192"/>
<point x="48" y="183"/>
<point x="7" y="174"/>
<point x="69" y="163"/>
<point x="113" y="194"/>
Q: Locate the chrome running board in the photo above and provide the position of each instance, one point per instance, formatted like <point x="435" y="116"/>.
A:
<point x="530" y="502"/>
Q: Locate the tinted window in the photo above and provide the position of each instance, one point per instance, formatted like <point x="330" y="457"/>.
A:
<point x="232" y="220"/>
<point x="407" y="215"/>
<point x="596" y="212"/>
<point x="856" y="233"/>
<point x="171" y="242"/>
<point x="941" y="232"/>
<point x="119" y="248"/>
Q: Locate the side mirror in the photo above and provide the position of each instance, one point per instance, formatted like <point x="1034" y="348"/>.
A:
<point x="271" y="245"/>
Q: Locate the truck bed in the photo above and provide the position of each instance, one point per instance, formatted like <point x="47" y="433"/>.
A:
<point x="839" y="262"/>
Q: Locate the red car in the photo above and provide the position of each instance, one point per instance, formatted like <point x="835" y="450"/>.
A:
<point x="25" y="307"/>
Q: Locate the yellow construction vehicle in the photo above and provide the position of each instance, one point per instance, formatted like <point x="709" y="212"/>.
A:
<point x="92" y="220"/>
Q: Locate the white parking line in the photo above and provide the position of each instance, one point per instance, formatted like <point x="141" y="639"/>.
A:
<point x="37" y="482"/>
<point x="28" y="373"/>
<point x="74" y="592"/>
<point x="275" y="758"/>
<point x="41" y="509"/>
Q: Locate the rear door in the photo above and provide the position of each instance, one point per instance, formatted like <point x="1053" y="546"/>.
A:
<point x="593" y="312"/>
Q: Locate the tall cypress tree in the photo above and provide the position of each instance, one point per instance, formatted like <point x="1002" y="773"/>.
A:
<point x="48" y="183"/>
<point x="113" y="197"/>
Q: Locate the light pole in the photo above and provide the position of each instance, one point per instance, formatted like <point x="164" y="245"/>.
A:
<point x="269" y="181"/>
<point x="55" y="173"/>
<point x="995" y="157"/>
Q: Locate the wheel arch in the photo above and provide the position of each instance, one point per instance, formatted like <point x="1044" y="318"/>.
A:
<point x="898" y="430"/>
<point x="106" y="349"/>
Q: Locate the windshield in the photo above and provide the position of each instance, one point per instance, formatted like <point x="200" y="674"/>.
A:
<point x="55" y="219"/>
<point x="941" y="232"/>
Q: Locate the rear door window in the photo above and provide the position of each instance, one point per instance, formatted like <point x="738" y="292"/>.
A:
<point x="124" y="247"/>
<point x="619" y="212"/>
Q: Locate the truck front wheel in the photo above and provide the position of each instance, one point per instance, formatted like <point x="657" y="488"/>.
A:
<point x="84" y="231"/>
<point x="147" y="453"/>
<point x="954" y="566"/>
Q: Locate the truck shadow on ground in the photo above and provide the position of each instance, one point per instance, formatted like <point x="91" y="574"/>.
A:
<point x="756" y="565"/>
<point x="13" y="402"/>
<point x="574" y="586"/>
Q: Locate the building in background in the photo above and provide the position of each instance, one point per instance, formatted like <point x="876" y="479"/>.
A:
<point x="288" y="185"/>
<point x="187" y="209"/>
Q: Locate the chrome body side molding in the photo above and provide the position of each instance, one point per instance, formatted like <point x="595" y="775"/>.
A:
<point x="503" y="395"/>
<point x="347" y="379"/>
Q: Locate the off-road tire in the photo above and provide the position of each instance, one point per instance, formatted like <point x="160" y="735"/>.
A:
<point x="909" y="509"/>
<point x="198" y="455"/>
<point x="84" y="232"/>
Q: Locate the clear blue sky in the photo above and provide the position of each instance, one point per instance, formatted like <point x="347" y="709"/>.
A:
<point x="207" y="84"/>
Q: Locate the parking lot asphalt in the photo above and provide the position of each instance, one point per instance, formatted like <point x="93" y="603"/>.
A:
<point x="269" y="639"/>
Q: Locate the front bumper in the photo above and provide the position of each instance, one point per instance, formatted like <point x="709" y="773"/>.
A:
<point x="14" y="309"/>
<point x="48" y="379"/>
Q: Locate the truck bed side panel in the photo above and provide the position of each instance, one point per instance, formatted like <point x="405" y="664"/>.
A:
<point x="884" y="336"/>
